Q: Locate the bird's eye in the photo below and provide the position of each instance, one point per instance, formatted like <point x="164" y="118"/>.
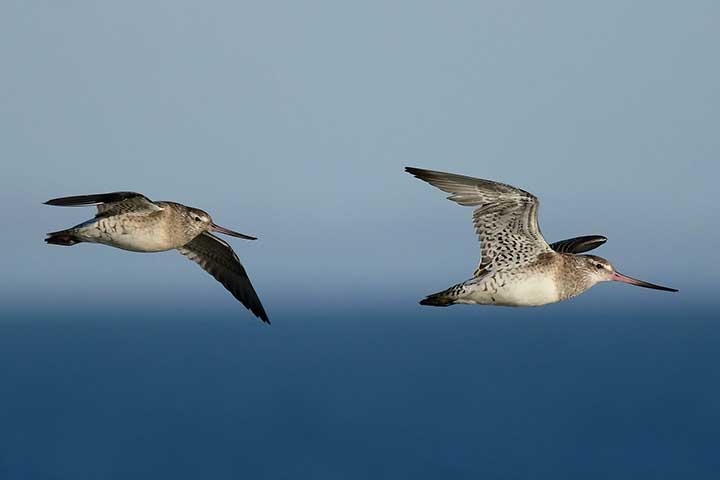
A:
<point x="599" y="265"/>
<point x="198" y="219"/>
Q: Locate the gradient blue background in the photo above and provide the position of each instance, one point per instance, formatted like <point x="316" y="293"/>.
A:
<point x="293" y="121"/>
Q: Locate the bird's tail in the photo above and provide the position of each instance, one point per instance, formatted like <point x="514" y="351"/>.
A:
<point x="63" y="237"/>
<point x="444" y="298"/>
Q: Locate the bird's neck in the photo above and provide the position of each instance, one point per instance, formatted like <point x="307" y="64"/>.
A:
<point x="573" y="279"/>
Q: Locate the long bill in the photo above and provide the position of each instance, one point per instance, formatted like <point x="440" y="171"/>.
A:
<point x="219" y="229"/>
<point x="619" y="277"/>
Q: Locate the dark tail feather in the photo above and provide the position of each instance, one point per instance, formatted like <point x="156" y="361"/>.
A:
<point x="440" y="299"/>
<point x="445" y="298"/>
<point x="63" y="237"/>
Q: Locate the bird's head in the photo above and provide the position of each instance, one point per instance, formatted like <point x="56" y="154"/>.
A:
<point x="597" y="269"/>
<point x="201" y="221"/>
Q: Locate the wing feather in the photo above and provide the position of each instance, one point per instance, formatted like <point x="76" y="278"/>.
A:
<point x="578" y="244"/>
<point x="505" y="218"/>
<point x="112" y="203"/>
<point x="216" y="257"/>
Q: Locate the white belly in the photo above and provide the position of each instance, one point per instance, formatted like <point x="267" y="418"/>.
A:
<point x="115" y="234"/>
<point x="529" y="291"/>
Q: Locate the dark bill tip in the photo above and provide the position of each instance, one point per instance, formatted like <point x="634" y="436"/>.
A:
<point x="232" y="233"/>
<point x="619" y="277"/>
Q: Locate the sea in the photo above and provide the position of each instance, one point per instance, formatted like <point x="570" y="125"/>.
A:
<point x="626" y="389"/>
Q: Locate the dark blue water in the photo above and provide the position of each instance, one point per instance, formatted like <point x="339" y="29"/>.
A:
<point x="565" y="391"/>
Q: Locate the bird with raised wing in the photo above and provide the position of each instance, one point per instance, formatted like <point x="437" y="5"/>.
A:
<point x="131" y="221"/>
<point x="517" y="266"/>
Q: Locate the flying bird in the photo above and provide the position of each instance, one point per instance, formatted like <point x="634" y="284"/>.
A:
<point x="131" y="221"/>
<point x="517" y="266"/>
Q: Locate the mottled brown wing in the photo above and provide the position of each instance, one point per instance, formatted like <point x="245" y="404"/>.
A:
<point x="505" y="220"/>
<point x="217" y="258"/>
<point x="112" y="203"/>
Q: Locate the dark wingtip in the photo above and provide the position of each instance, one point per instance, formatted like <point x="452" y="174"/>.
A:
<point x="257" y="309"/>
<point x="422" y="174"/>
<point x="260" y="312"/>
<point x="577" y="245"/>
<point x="93" y="199"/>
<point x="430" y="176"/>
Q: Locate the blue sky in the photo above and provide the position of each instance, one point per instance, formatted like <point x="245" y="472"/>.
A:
<point x="293" y="121"/>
